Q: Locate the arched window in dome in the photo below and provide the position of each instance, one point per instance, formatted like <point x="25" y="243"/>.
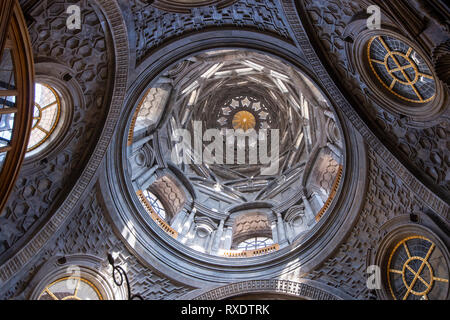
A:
<point x="255" y="243"/>
<point x="401" y="69"/>
<point x="47" y="112"/>
<point x="417" y="270"/>
<point x="71" y="288"/>
<point x="156" y="204"/>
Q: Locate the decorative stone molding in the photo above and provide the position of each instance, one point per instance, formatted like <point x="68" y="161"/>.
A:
<point x="397" y="232"/>
<point x="184" y="263"/>
<point x="332" y="27"/>
<point x="170" y="193"/>
<point x="427" y="112"/>
<point x="441" y="59"/>
<point x="387" y="199"/>
<point x="301" y="290"/>
<point x="302" y="40"/>
<point x="86" y="58"/>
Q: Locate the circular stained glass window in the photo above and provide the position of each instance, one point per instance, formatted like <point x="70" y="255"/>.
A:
<point x="47" y="111"/>
<point x="255" y="243"/>
<point x="71" y="288"/>
<point x="417" y="270"/>
<point x="400" y="69"/>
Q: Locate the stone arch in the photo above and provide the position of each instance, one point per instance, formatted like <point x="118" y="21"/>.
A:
<point x="170" y="193"/>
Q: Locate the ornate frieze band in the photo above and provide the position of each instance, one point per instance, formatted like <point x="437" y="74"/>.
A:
<point x="297" y="289"/>
<point x="301" y="37"/>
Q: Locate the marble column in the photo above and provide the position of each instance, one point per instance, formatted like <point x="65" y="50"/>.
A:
<point x="281" y="229"/>
<point x="310" y="217"/>
<point x="190" y="235"/>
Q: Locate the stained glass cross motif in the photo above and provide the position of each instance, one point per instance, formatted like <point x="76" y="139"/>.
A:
<point x="401" y="70"/>
<point x="414" y="271"/>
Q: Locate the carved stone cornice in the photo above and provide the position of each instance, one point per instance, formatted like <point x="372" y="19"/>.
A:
<point x="19" y="44"/>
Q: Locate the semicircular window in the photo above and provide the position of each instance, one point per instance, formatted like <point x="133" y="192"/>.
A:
<point x="255" y="243"/>
<point x="400" y="69"/>
<point x="47" y="111"/>
<point x="71" y="288"/>
<point x="417" y="270"/>
<point x="156" y="204"/>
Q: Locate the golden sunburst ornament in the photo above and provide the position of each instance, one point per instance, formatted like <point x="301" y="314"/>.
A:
<point x="244" y="120"/>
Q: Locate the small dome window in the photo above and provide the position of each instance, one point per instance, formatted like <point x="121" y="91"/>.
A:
<point x="47" y="112"/>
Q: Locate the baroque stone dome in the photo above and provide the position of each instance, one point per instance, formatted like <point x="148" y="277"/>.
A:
<point x="238" y="146"/>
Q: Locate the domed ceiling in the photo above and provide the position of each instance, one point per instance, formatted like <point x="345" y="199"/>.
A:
<point x="235" y="153"/>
